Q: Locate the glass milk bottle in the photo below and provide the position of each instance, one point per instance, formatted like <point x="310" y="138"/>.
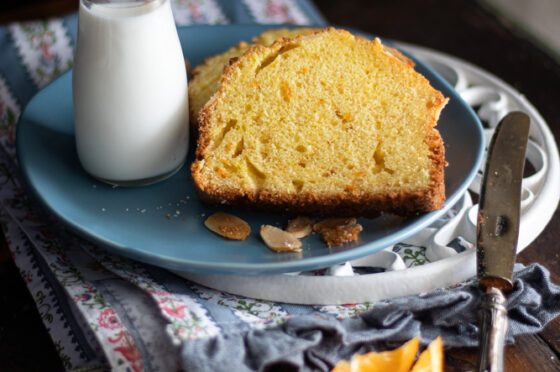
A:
<point x="130" y="94"/>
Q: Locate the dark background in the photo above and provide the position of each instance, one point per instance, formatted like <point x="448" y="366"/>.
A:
<point x="462" y="28"/>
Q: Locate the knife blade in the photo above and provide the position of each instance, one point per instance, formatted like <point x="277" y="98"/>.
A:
<point x="497" y="233"/>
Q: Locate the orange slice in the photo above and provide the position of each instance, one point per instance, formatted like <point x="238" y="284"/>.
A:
<point x="342" y="366"/>
<point x="431" y="359"/>
<point x="398" y="360"/>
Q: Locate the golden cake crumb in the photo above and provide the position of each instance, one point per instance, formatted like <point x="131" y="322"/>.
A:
<point x="354" y="135"/>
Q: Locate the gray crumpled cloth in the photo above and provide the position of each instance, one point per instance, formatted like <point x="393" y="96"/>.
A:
<point x="311" y="344"/>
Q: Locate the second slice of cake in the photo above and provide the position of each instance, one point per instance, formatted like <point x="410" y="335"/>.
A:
<point x="323" y="125"/>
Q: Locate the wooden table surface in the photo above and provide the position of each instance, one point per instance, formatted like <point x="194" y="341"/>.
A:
<point x="461" y="28"/>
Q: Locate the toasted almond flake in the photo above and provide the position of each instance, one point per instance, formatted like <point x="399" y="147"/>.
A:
<point x="279" y="240"/>
<point x="299" y="227"/>
<point x="341" y="234"/>
<point x="331" y="223"/>
<point x="228" y="226"/>
<point x="338" y="231"/>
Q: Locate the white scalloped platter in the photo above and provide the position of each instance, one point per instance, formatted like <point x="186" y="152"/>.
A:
<point x="441" y="264"/>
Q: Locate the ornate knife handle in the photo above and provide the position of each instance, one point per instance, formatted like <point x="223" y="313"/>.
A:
<point x="492" y="332"/>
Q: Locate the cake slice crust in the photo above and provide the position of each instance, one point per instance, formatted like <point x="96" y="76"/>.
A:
<point x="206" y="76"/>
<point x="327" y="124"/>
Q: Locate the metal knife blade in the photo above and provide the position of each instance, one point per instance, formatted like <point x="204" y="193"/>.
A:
<point x="499" y="204"/>
<point x="497" y="233"/>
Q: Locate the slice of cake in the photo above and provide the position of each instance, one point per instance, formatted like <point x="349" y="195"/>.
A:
<point x="206" y="79"/>
<point x="326" y="124"/>
<point x="206" y="76"/>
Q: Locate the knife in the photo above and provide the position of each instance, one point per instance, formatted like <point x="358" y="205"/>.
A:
<point x="497" y="233"/>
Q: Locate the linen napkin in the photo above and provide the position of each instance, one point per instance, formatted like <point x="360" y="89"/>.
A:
<point x="311" y="343"/>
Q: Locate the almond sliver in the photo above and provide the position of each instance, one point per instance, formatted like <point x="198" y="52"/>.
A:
<point x="228" y="226"/>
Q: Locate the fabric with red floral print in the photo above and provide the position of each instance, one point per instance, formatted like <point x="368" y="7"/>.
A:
<point x="100" y="310"/>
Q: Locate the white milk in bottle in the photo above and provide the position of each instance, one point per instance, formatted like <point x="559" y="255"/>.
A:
<point x="130" y="92"/>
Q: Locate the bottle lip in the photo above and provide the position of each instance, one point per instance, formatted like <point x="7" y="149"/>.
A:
<point x="121" y="4"/>
<point x="122" y="7"/>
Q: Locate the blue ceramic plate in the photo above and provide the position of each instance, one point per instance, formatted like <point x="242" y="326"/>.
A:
<point x="162" y="224"/>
